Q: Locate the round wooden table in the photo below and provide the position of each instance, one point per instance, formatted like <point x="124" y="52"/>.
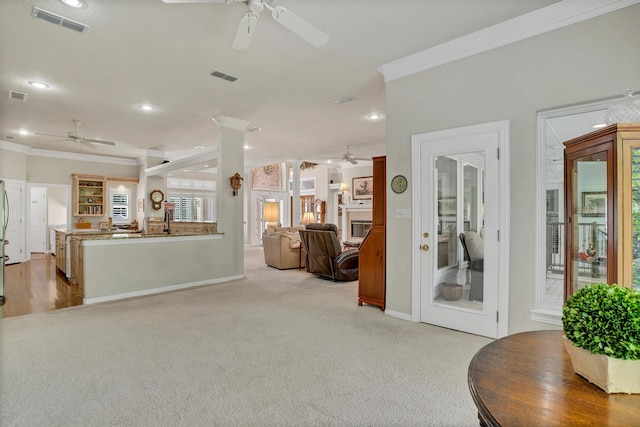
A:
<point x="527" y="379"/>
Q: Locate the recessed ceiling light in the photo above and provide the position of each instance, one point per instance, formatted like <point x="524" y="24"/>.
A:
<point x="23" y="132"/>
<point x="146" y="107"/>
<point x="73" y="3"/>
<point x="39" y="85"/>
<point x="254" y="129"/>
<point x="246" y="147"/>
<point x="185" y="170"/>
<point x="199" y="147"/>
<point x="374" y="116"/>
<point x="599" y="126"/>
<point x="206" y="166"/>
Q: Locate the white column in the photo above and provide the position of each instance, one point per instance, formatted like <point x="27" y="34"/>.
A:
<point x="295" y="209"/>
<point x="229" y="207"/>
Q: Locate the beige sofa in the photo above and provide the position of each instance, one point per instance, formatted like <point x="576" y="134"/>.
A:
<point x="282" y="248"/>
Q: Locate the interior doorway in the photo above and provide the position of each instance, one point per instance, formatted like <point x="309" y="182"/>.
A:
<point x="47" y="209"/>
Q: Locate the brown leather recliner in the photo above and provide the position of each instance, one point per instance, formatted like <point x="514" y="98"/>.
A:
<point x="325" y="257"/>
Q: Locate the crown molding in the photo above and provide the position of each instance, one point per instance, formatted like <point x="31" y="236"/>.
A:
<point x="549" y="18"/>
<point x="10" y="146"/>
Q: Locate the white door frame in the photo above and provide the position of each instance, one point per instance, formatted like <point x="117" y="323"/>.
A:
<point x="501" y="130"/>
<point x="69" y="218"/>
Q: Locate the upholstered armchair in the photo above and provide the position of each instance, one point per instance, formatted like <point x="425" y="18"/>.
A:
<point x="282" y="248"/>
<point x="473" y="246"/>
<point x="324" y="255"/>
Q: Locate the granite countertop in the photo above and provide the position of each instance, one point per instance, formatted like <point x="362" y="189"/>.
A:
<point x="118" y="236"/>
<point x="82" y="231"/>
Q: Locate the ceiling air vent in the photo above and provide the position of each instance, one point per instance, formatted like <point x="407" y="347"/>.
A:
<point x="59" y="20"/>
<point x="224" y="76"/>
<point x="19" y="96"/>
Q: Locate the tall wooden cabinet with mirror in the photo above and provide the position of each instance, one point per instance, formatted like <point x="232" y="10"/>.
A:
<point x="372" y="258"/>
<point x="602" y="208"/>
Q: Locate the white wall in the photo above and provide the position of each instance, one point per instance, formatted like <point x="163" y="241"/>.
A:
<point x="592" y="60"/>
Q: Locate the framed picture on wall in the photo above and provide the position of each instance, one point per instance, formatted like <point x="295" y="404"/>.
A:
<point x="594" y="203"/>
<point x="362" y="188"/>
<point x="307" y="185"/>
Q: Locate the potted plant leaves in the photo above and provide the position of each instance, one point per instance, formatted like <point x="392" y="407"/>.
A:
<point x="601" y="323"/>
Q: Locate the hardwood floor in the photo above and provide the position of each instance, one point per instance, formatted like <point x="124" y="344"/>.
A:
<point x="36" y="286"/>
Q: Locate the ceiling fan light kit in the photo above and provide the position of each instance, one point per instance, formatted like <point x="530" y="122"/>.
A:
<point x="281" y="15"/>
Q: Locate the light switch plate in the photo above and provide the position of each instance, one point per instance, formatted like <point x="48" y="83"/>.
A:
<point x="403" y="213"/>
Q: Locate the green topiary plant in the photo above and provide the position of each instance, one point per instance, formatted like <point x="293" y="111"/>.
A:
<point x="604" y="319"/>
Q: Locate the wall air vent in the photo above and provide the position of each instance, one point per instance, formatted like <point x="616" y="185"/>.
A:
<point x="59" y="20"/>
<point x="19" y="96"/>
<point x="224" y="76"/>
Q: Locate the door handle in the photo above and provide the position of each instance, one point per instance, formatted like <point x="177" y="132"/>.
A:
<point x="424" y="247"/>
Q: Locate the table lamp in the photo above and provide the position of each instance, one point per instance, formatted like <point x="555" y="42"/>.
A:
<point x="308" y="218"/>
<point x="271" y="212"/>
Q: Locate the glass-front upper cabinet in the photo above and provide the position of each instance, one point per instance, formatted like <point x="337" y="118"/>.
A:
<point x="602" y="202"/>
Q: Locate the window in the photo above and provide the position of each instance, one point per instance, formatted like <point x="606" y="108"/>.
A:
<point x="193" y="202"/>
<point x="554" y="128"/>
<point x="119" y="198"/>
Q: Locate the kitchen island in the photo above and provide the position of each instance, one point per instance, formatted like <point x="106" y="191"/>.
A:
<point x="123" y="265"/>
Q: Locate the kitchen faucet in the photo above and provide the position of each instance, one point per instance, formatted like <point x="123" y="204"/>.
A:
<point x="167" y="218"/>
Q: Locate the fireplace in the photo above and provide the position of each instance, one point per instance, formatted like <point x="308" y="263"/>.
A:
<point x="360" y="227"/>
<point x="356" y="221"/>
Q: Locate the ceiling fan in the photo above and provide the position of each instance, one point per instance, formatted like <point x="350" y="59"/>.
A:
<point x="282" y="15"/>
<point x="349" y="157"/>
<point x="76" y="136"/>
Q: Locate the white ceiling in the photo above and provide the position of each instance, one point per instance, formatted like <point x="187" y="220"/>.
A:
<point x="146" y="51"/>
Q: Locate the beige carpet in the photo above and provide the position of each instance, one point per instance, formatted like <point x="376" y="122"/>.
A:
<point x="279" y="348"/>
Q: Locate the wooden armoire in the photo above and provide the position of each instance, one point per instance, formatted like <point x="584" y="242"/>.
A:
<point x="372" y="258"/>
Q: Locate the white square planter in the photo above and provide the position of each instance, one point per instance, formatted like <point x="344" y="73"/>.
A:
<point x="611" y="375"/>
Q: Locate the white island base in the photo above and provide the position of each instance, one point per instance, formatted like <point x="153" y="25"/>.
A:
<point x="130" y="267"/>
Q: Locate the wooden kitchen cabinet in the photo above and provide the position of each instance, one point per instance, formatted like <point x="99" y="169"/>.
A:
<point x="372" y="256"/>
<point x="157" y="227"/>
<point x="89" y="195"/>
<point x="76" y="261"/>
<point x="61" y="251"/>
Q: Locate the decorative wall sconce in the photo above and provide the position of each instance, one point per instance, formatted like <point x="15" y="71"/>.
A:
<point x="236" y="183"/>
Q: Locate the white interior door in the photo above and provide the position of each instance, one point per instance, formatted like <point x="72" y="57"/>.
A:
<point x="458" y="191"/>
<point x="38" y="222"/>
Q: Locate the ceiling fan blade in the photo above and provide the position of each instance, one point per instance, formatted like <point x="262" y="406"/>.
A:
<point x="48" y="134"/>
<point x="352" y="161"/>
<point x="246" y="28"/>
<point x="97" y="141"/>
<point x="299" y="26"/>
<point x="60" y="140"/>
<point x="86" y="142"/>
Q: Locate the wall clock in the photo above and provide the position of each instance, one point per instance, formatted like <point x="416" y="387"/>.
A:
<point x="399" y="184"/>
<point x="157" y="197"/>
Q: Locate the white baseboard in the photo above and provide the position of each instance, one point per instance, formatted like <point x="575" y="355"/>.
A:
<point x="159" y="290"/>
<point x="398" y="315"/>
